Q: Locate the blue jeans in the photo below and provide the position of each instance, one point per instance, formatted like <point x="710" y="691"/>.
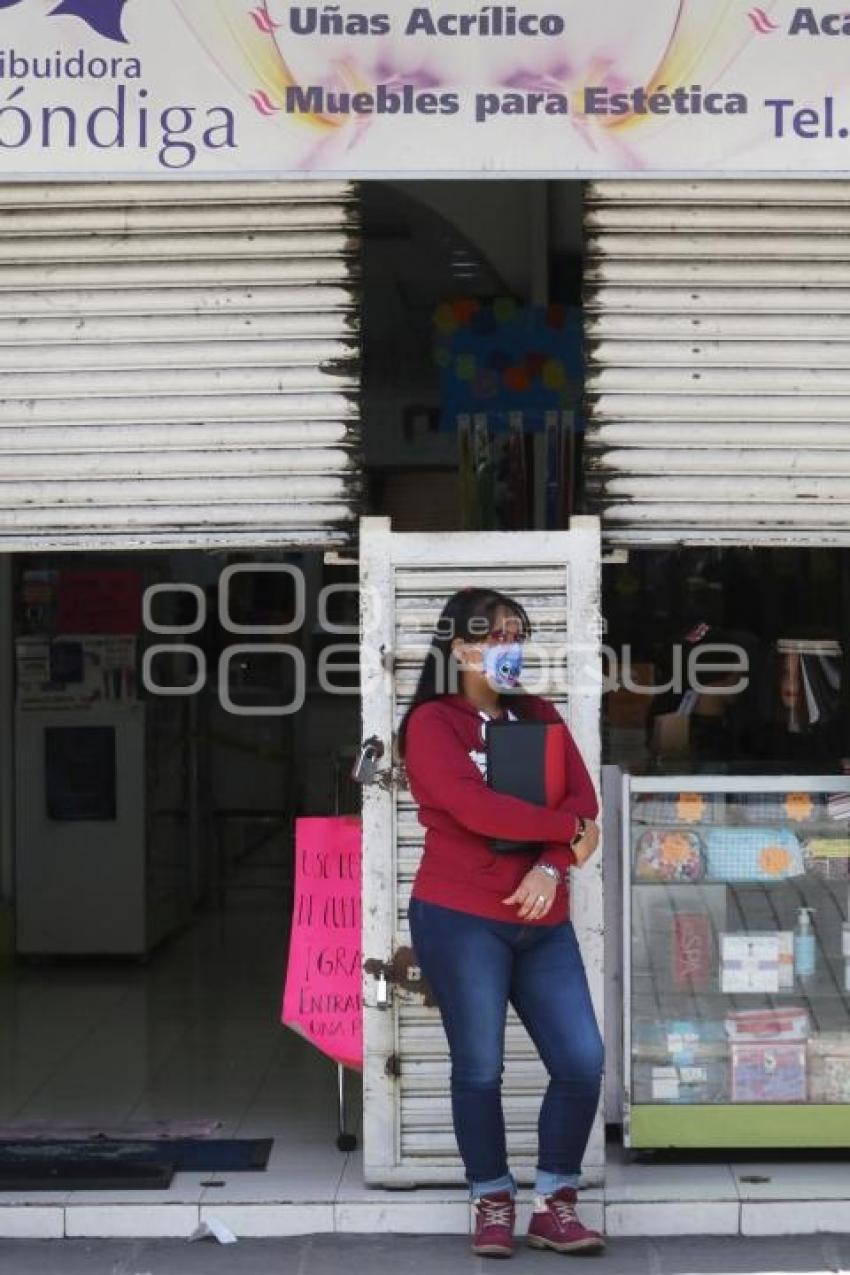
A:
<point x="475" y="967"/>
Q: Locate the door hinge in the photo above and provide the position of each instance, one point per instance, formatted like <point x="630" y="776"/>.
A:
<point x="393" y="1065"/>
<point x="392" y="777"/>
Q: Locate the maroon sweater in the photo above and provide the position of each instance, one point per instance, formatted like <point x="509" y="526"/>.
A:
<point x="461" y="814"/>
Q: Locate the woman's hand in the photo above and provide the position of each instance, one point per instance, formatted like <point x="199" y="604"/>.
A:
<point x="535" y="895"/>
<point x="587" y="846"/>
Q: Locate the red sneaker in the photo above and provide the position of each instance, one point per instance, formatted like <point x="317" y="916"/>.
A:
<point x="493" y="1216"/>
<point x="554" y="1224"/>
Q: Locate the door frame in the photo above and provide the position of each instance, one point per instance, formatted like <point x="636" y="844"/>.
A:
<point x="381" y="551"/>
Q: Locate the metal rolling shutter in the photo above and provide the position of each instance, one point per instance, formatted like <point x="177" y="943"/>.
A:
<point x="425" y="1124"/>
<point x="178" y="364"/>
<point x="408" y="1126"/>
<point x="718" y="350"/>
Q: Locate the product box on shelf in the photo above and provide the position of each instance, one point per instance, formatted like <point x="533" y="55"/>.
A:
<point x="669" y="854"/>
<point x="677" y="808"/>
<point x="838" y="805"/>
<point x="786" y="960"/>
<point x="788" y="1023"/>
<point x="696" y="1083"/>
<point x="769" y="1071"/>
<point x="828" y="857"/>
<point x="800" y="809"/>
<point x="675" y="936"/>
<point x="753" y="854"/>
<point x="735" y="972"/>
<point x="749" y="963"/>
<point x="681" y="1060"/>
<point x="692" y="954"/>
<point x="829" y="1067"/>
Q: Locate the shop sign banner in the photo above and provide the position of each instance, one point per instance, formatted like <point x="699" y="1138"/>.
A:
<point x="267" y="88"/>
<point x="323" y="998"/>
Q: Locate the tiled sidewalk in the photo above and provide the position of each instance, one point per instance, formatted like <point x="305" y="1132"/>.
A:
<point x="311" y="1189"/>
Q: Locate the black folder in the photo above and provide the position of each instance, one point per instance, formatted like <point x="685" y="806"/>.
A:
<point x="526" y="760"/>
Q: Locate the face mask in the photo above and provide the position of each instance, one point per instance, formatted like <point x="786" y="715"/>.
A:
<point x="503" y="664"/>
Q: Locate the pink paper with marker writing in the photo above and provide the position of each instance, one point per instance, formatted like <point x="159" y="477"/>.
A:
<point x="322" y="997"/>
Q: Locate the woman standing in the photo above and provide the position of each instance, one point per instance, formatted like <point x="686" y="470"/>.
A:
<point x="489" y="928"/>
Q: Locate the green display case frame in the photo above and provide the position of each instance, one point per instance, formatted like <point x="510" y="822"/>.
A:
<point x="739" y="1124"/>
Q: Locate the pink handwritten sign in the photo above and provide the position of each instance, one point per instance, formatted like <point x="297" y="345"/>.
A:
<point x="322" y="997"/>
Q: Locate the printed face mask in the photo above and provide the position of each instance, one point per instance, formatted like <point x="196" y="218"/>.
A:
<point x="503" y="664"/>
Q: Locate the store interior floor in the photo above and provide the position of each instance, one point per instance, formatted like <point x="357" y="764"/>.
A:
<point x="194" y="1036"/>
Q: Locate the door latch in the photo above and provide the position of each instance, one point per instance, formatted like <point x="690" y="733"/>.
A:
<point x="367" y="771"/>
<point x="365" y="768"/>
<point x="402" y="972"/>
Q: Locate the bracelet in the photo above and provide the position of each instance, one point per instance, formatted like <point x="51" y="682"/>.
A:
<point x="550" y="870"/>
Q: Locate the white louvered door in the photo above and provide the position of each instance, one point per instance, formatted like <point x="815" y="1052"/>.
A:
<point x="718" y="361"/>
<point x="405" y="579"/>
<point x="178" y="364"/>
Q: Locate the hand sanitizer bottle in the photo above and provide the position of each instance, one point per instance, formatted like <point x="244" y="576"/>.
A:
<point x="805" y="952"/>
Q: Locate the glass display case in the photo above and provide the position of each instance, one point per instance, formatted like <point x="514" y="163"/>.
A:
<point x="737" y="960"/>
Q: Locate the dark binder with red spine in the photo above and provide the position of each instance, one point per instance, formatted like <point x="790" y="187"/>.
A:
<point x="526" y="760"/>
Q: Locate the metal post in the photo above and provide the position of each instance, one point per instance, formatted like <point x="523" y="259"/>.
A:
<point x="345" y="1141"/>
<point x="845" y="648"/>
<point x="194" y="794"/>
<point x="7" y="730"/>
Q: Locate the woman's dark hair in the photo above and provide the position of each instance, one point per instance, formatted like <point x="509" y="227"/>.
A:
<point x="468" y="614"/>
